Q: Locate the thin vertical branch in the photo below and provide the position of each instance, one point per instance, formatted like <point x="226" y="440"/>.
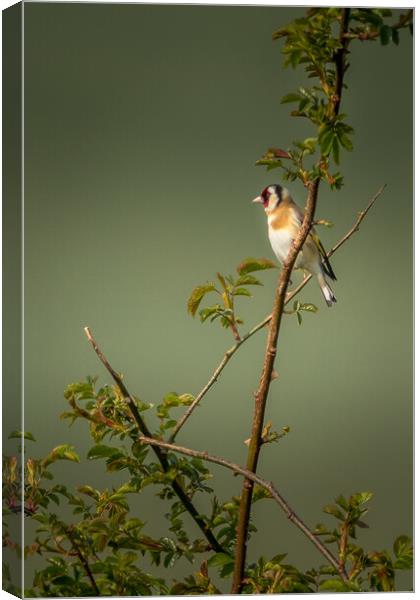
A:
<point x="276" y="318"/>
<point x="264" y="386"/>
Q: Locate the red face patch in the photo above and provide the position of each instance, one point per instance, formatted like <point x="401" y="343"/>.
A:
<point x="265" y="195"/>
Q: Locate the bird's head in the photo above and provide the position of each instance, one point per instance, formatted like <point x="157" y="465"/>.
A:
<point x="272" y="196"/>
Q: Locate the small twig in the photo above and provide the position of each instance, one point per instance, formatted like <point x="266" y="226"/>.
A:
<point x="235" y="331"/>
<point x="229" y="353"/>
<point x="268" y="485"/>
<point x="360" y="218"/>
<point x="177" y="487"/>
<point x="83" y="560"/>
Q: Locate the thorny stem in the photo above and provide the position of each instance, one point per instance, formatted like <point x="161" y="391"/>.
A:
<point x="229" y="353"/>
<point x="276" y="318"/>
<point x="267" y="485"/>
<point x="264" y="386"/>
<point x="176" y="485"/>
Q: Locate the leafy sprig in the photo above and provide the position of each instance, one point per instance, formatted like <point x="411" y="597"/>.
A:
<point x="228" y="289"/>
<point x="311" y="42"/>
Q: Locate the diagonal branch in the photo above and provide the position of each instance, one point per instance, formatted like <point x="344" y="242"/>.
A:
<point x="226" y="358"/>
<point x="229" y="353"/>
<point x="268" y="485"/>
<point x="161" y="455"/>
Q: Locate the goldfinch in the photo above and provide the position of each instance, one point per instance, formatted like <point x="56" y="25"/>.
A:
<point x="284" y="219"/>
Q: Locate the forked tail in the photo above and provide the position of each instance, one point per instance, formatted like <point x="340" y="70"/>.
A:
<point x="326" y="290"/>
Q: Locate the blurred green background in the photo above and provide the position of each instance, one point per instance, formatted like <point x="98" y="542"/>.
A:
<point x="143" y="124"/>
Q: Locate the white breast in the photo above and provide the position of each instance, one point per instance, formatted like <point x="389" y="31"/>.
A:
<point x="280" y="240"/>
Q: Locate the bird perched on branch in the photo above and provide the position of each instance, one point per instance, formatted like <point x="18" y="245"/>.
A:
<point x="284" y="219"/>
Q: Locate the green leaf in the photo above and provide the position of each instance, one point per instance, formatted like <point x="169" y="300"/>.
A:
<point x="328" y="570"/>
<point x="291" y="98"/>
<point x="299" y="317"/>
<point x="308" y="307"/>
<point x="395" y="36"/>
<point x="248" y="280"/>
<point x="360" y="498"/>
<point x="269" y="163"/>
<point x="241" y="291"/>
<point x="205" y="313"/>
<point x="325" y="139"/>
<point x="139" y="450"/>
<point x="336" y="150"/>
<point x="321" y="529"/>
<point x="222" y="281"/>
<point x="274" y="164"/>
<point x="128" y="488"/>
<point x="64" y="452"/>
<point x="197" y="295"/>
<point x="102" y="451"/>
<point x="310" y="144"/>
<point x="186" y="399"/>
<point x="333" y="585"/>
<point x="402" y="544"/>
<point x="249" y="265"/>
<point x="362" y="524"/>
<point x="63" y="580"/>
<point x="404" y="563"/>
<point x="220" y="559"/>
<point x="89" y="491"/>
<point x="344" y="140"/>
<point x="332" y="509"/>
<point x="403" y="550"/>
<point x="173" y="400"/>
<point x="278" y="558"/>
<point x="22" y="434"/>
<point x="385" y="33"/>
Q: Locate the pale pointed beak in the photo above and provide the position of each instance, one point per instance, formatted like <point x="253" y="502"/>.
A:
<point x="257" y="199"/>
